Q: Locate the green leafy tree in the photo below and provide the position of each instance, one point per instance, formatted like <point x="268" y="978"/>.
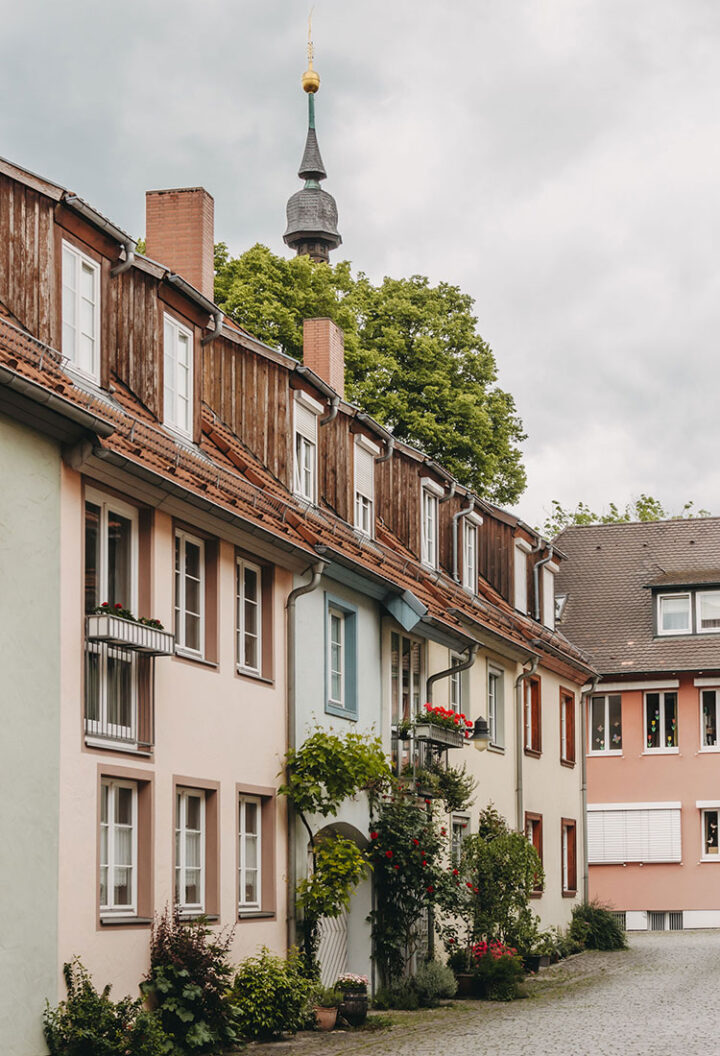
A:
<point x="413" y="356"/>
<point x="325" y="771"/>
<point x="644" y="508"/>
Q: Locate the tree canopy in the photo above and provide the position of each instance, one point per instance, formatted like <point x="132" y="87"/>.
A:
<point x="644" y="508"/>
<point x="414" y="359"/>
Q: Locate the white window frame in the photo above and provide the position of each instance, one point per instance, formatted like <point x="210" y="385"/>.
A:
<point x="304" y="444"/>
<point x="606" y="725"/>
<point x="180" y="590"/>
<point x="548" y="594"/>
<point x="459" y="824"/>
<point x="710" y="748"/>
<point x="100" y="727"/>
<point x="170" y="414"/>
<point x="72" y="354"/>
<point x="522" y="549"/>
<point x="110" y="909"/>
<point x="242" y="838"/>
<point x="339" y="615"/>
<point x="700" y="594"/>
<point x="709" y="808"/>
<point x="181" y="797"/>
<point x="455" y="689"/>
<point x="675" y="630"/>
<point x="495" y="701"/>
<point x="471" y="524"/>
<point x="241" y="632"/>
<point x="430" y="494"/>
<point x="364" y="501"/>
<point x="663" y="749"/>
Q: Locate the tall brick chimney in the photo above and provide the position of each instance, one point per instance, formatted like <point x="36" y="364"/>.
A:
<point x="179" y="232"/>
<point x="324" y="351"/>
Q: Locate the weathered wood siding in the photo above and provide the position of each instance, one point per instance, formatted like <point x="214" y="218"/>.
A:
<point x="397" y="488"/>
<point x="337" y="466"/>
<point x="132" y="335"/>
<point x="27" y="259"/>
<point x="495" y="555"/>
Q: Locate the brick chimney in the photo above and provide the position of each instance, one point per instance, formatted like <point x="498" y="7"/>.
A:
<point x="179" y="232"/>
<point x="324" y="351"/>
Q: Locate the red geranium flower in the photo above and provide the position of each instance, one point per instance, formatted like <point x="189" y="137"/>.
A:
<point x="388" y="854"/>
<point x="118" y="605"/>
<point x="428" y="802"/>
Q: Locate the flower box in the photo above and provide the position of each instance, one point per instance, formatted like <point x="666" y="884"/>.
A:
<point x="138" y="637"/>
<point x="439" y="735"/>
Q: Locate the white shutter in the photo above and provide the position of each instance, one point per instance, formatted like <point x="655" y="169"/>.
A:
<point x="645" y="834"/>
<point x="305" y="422"/>
<point x="364" y="472"/>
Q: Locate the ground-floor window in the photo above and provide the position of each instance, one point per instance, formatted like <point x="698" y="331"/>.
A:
<point x="710" y="819"/>
<point x="118" y="846"/>
<point x="569" y="856"/>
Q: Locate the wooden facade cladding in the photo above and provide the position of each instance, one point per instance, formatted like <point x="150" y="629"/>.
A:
<point x="397" y="497"/>
<point x="28" y="265"/>
<point x="336" y="454"/>
<point x="133" y="334"/>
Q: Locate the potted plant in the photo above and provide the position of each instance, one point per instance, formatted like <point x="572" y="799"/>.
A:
<point x="326" y="1002"/>
<point x="442" y="726"/>
<point x="354" y="1005"/>
<point x="459" y="961"/>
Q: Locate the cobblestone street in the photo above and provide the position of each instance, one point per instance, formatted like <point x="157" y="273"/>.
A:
<point x="659" y="997"/>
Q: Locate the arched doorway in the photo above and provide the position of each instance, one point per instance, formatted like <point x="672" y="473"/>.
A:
<point x="344" y="943"/>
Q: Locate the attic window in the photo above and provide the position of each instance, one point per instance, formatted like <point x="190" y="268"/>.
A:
<point x="674" y="614"/>
<point x="81" y="311"/>
<point x="560" y="603"/>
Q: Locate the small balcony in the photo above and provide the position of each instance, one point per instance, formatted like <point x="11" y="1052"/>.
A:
<point x="439" y="736"/>
<point x="130" y="635"/>
<point x="119" y="696"/>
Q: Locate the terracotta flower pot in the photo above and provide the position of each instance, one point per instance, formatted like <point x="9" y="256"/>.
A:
<point x="354" y="1008"/>
<point x="325" y="1018"/>
<point x="465" y="984"/>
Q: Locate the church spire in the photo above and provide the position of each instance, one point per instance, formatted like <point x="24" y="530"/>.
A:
<point x="311" y="212"/>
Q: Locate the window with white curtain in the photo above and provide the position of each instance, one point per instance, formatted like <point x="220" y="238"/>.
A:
<point x="189" y="593"/>
<point x="522" y="549"/>
<point x="708" y="611"/>
<point x="118" y="847"/>
<point x="178" y="376"/>
<point x="248" y="598"/>
<point x="81" y="311"/>
<point x="190" y="849"/>
<point x="496" y="707"/>
<point x="429" y="523"/>
<point x="249" y="852"/>
<point x="470" y="558"/>
<point x="365" y="453"/>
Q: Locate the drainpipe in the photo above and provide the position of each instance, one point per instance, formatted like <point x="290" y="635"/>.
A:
<point x="450" y="494"/>
<point x="457" y="517"/>
<point x="472" y="650"/>
<point x="389" y="451"/>
<point x="519" y="742"/>
<point x="536" y="578"/>
<point x="317" y="571"/>
<point x="332" y="413"/>
<point x="584" y="698"/>
<point x="127" y="262"/>
<point x="218" y="318"/>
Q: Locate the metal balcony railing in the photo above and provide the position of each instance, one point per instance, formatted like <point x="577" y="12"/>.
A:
<point x="119" y="696"/>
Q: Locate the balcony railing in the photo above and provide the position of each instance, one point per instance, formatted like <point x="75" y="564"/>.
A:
<point x="119" y="696"/>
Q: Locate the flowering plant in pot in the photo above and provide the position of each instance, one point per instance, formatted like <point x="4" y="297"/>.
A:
<point x="354" y="1006"/>
<point x="326" y="1002"/>
<point x="436" y="715"/>
<point x="118" y="609"/>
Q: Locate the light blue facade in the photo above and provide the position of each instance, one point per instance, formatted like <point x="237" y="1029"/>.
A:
<point x="29" y="744"/>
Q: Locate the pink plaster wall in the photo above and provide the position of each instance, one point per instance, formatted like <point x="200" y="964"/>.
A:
<point x="210" y="725"/>
<point x="686" y="777"/>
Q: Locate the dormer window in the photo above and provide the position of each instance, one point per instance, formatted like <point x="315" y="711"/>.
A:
<point x="708" y="611"/>
<point x="471" y="523"/>
<point x="548" y="594"/>
<point x="365" y="453"/>
<point x="81" y="311"/>
<point x="430" y="494"/>
<point x="307" y="411"/>
<point x="674" y="614"/>
<point x="178" y="377"/>
<point x="522" y="549"/>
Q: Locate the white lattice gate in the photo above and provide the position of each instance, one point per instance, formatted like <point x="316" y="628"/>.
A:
<point x="333" y="947"/>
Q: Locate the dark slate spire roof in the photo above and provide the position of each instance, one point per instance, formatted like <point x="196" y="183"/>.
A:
<point x="312" y="214"/>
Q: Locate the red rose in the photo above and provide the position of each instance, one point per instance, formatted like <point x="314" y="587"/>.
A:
<point x="424" y="862"/>
<point x="468" y="884"/>
<point x="456" y="872"/>
<point x="416" y="843"/>
<point x="388" y="854"/>
<point x="396" y="867"/>
<point x="451" y="941"/>
<point x="443" y="832"/>
<point x="430" y="889"/>
<point x="118" y="605"/>
<point x="373" y="835"/>
<point x="428" y="802"/>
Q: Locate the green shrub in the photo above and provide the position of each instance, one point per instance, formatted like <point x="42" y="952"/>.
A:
<point x="271" y="995"/>
<point x="435" y="981"/>
<point x="498" y="971"/>
<point x="327" y="997"/>
<point x="188" y="982"/>
<point x="401" y="994"/>
<point x="596" y="927"/>
<point x="90" y="1024"/>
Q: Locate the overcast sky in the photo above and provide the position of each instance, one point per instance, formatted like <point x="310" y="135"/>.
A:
<point x="558" y="159"/>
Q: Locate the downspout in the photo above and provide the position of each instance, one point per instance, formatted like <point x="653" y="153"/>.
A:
<point x="450" y="494"/>
<point x="127" y="262"/>
<point x="332" y="413"/>
<point x="218" y="319"/>
<point x="317" y="571"/>
<point x="389" y="452"/>
<point x="457" y="517"/>
<point x="472" y="650"/>
<point x="519" y="742"/>
<point x="584" y="698"/>
<point x="536" y="578"/>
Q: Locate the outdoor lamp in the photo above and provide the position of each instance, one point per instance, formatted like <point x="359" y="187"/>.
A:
<point x="481" y="734"/>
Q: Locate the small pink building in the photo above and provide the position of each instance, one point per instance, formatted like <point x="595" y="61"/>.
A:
<point x="643" y="600"/>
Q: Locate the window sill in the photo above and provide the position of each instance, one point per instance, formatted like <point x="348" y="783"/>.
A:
<point x="536" y="894"/>
<point x="194" y="658"/>
<point x="196" y="914"/>
<point x="118" y="746"/>
<point x="611" y="752"/>
<point x="570" y="763"/>
<point x="709" y="751"/>
<point x="661" y="751"/>
<point x="339" y="712"/>
<point x="110" y="922"/>
<point x="256" y="676"/>
<point x="499" y="749"/>
<point x="715" y="860"/>
<point x="534" y="753"/>
<point x="569" y="894"/>
<point x="256" y="914"/>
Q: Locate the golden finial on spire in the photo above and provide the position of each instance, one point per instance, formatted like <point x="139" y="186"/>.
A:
<point x="311" y="78"/>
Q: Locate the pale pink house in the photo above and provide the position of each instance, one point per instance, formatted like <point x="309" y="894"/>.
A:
<point x="643" y="600"/>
